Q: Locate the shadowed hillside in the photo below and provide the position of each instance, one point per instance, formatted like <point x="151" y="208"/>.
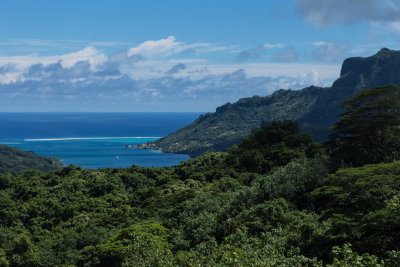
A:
<point x="13" y="160"/>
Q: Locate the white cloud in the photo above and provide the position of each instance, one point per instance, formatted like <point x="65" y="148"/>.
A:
<point x="90" y="54"/>
<point x="287" y="55"/>
<point x="312" y="77"/>
<point x="127" y="81"/>
<point x="78" y="86"/>
<point x="22" y="63"/>
<point x="163" y="47"/>
<point x="319" y="43"/>
<point x="198" y="69"/>
<point x="87" y="54"/>
<point x="135" y="68"/>
<point x="207" y="48"/>
<point x="271" y="46"/>
<point x="330" y="51"/>
<point x="330" y="12"/>
<point x="395" y="26"/>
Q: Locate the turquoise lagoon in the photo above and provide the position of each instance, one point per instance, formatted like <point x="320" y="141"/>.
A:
<point x="94" y="140"/>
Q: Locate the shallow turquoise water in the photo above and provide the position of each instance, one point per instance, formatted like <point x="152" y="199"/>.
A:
<point x="94" y="140"/>
<point x="98" y="153"/>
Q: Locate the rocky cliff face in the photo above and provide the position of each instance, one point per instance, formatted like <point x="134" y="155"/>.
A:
<point x="380" y="69"/>
<point x="314" y="107"/>
<point x="357" y="73"/>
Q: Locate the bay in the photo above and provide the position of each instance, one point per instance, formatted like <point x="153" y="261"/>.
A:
<point x="94" y="140"/>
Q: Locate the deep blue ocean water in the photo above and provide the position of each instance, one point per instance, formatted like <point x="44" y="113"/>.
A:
<point x="94" y="140"/>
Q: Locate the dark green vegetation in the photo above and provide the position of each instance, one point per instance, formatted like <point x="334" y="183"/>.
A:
<point x="13" y="160"/>
<point x="369" y="131"/>
<point x="315" y="108"/>
<point x="276" y="199"/>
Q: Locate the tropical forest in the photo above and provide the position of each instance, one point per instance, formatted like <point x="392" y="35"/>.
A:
<point x="275" y="199"/>
<point x="191" y="133"/>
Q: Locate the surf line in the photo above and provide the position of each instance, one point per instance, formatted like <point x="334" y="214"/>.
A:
<point x="89" y="138"/>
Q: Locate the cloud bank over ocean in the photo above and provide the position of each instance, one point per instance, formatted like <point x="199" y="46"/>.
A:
<point x="180" y="55"/>
<point x="156" y="75"/>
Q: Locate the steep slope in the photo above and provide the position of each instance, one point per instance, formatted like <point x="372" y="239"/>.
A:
<point x="13" y="160"/>
<point x="357" y="73"/>
<point x="381" y="69"/>
<point x="315" y="108"/>
<point x="231" y="122"/>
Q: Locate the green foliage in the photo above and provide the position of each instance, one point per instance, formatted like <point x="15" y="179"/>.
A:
<point x="344" y="256"/>
<point x="13" y="160"/>
<point x="269" y="201"/>
<point x="294" y="182"/>
<point x="214" y="210"/>
<point x="241" y="249"/>
<point x="393" y="206"/>
<point x="275" y="144"/>
<point x="369" y="130"/>
<point x="208" y="167"/>
<point x="21" y="251"/>
<point x="143" y="243"/>
<point x="361" y="205"/>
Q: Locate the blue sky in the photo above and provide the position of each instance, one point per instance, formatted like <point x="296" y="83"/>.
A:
<point x="179" y="55"/>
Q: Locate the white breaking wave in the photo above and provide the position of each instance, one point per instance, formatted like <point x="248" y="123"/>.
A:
<point x="90" y="138"/>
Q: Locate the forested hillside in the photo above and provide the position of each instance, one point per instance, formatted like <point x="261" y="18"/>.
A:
<point x="13" y="160"/>
<point x="314" y="107"/>
<point x="276" y="199"/>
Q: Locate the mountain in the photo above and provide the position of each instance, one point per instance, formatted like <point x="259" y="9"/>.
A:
<point x="357" y="73"/>
<point x="13" y="160"/>
<point x="315" y="108"/>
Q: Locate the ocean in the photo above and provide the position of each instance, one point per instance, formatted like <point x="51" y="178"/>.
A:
<point x="94" y="140"/>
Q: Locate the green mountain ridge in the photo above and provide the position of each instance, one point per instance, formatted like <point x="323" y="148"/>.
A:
<point x="315" y="108"/>
<point x="13" y="160"/>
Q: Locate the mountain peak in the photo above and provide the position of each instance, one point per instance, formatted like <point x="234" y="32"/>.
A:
<point x="367" y="72"/>
<point x="384" y="51"/>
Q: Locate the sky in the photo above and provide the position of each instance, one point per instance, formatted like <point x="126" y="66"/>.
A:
<point x="178" y="55"/>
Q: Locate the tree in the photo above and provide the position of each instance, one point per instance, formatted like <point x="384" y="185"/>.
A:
<point x="275" y="144"/>
<point x="362" y="207"/>
<point x="141" y="244"/>
<point x="369" y="130"/>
